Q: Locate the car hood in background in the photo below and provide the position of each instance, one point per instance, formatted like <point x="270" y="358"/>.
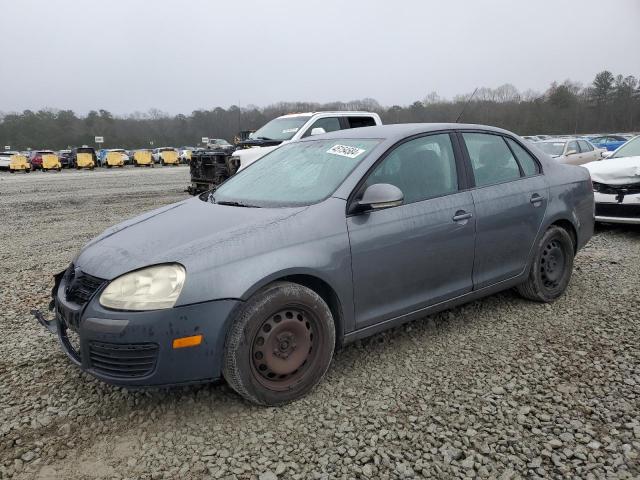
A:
<point x="615" y="171"/>
<point x="192" y="232"/>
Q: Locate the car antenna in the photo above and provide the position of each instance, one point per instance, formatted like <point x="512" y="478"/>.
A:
<point x="466" y="105"/>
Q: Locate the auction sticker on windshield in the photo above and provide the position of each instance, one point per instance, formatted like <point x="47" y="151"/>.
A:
<point x="345" y="151"/>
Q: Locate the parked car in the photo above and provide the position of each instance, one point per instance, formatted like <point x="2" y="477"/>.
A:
<point x="116" y="157"/>
<point x="608" y="142"/>
<point x="143" y="157"/>
<point x="574" y="151"/>
<point x="324" y="241"/>
<point x="166" y="156"/>
<point x="83" y="157"/>
<point x="185" y="153"/>
<point x="293" y="127"/>
<point x="616" y="185"/>
<point x="65" y="158"/>
<point x="44" y="160"/>
<point x="19" y="162"/>
<point x="5" y="158"/>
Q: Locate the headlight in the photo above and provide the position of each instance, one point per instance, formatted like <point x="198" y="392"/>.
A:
<point x="151" y="288"/>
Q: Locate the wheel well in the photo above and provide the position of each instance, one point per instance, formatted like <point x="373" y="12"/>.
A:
<point x="327" y="293"/>
<point x="571" y="230"/>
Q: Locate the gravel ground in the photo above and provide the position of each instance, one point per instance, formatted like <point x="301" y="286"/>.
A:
<point x="499" y="388"/>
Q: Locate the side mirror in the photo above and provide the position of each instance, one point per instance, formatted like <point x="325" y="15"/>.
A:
<point x="607" y="154"/>
<point x="379" y="196"/>
<point x="318" y="131"/>
<point x="571" y="152"/>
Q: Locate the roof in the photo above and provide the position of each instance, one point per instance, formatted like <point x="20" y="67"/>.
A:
<point x="401" y="130"/>
<point x="332" y="112"/>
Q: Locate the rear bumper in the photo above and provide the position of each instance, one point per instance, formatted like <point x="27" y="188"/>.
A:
<point x="136" y="348"/>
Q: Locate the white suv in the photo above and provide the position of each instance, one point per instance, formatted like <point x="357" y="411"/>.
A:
<point x="289" y="128"/>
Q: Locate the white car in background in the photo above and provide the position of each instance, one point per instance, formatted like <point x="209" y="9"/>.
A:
<point x="616" y="184"/>
<point x="289" y="128"/>
<point x="5" y="158"/>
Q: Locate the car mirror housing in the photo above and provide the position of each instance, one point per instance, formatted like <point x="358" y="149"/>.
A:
<point x="318" y="131"/>
<point x="607" y="154"/>
<point x="379" y="196"/>
<point x="571" y="152"/>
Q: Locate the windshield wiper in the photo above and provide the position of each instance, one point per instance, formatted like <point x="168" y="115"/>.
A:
<point x="264" y="138"/>
<point x="236" y="204"/>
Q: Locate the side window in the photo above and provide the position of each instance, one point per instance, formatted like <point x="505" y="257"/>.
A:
<point x="330" y="124"/>
<point x="572" y="145"/>
<point x="491" y="159"/>
<point x="422" y="168"/>
<point x="528" y="164"/>
<point x="357" y="122"/>
<point x="584" y="146"/>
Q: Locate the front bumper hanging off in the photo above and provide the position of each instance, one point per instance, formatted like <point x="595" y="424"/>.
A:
<point x="138" y="348"/>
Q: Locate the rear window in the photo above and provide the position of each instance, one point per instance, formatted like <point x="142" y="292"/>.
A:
<point x="357" y="122"/>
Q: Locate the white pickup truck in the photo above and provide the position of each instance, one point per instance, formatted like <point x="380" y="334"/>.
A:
<point x="289" y="128"/>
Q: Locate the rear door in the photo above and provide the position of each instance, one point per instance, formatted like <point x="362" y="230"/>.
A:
<point x="510" y="198"/>
<point x="421" y="252"/>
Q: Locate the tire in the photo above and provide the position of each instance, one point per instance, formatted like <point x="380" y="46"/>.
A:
<point x="59" y="169"/>
<point x="551" y="267"/>
<point x="266" y="359"/>
<point x="27" y="170"/>
<point x="11" y="170"/>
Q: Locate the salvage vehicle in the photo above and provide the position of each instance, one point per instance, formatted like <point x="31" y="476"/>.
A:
<point x="616" y="185"/>
<point x="573" y="151"/>
<point x="114" y="158"/>
<point x="143" y="157"/>
<point x="608" y="142"/>
<point x="5" y="158"/>
<point x="83" y="157"/>
<point x="65" y="158"/>
<point x="36" y="159"/>
<point x="292" y="127"/>
<point x="166" y="156"/>
<point x="19" y="163"/>
<point x="44" y="160"/>
<point x="322" y="242"/>
<point x="208" y="168"/>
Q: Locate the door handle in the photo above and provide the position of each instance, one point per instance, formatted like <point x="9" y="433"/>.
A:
<point x="461" y="216"/>
<point x="536" y="199"/>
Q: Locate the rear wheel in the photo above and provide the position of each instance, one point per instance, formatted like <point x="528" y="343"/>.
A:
<point x="551" y="267"/>
<point x="280" y="344"/>
<point x="11" y="170"/>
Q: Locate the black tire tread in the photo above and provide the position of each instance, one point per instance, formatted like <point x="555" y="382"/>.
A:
<point x="530" y="289"/>
<point x="230" y="368"/>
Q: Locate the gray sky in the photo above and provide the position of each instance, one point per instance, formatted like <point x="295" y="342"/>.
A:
<point x="180" y="55"/>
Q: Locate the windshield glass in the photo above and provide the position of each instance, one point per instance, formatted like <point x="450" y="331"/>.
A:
<point x="282" y="128"/>
<point x="220" y="141"/>
<point x="552" y="148"/>
<point x="629" y="149"/>
<point x="296" y="174"/>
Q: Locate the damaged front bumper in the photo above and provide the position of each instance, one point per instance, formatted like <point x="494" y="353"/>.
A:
<point x="617" y="204"/>
<point x="136" y="349"/>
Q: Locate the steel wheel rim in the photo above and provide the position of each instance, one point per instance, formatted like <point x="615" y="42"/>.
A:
<point x="284" y="347"/>
<point x="552" y="264"/>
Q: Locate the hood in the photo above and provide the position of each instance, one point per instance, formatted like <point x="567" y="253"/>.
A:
<point x="186" y="232"/>
<point x="615" y="171"/>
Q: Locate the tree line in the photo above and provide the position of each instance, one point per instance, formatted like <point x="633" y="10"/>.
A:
<point x="611" y="103"/>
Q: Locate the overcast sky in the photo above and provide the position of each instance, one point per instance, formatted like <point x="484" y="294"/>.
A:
<point x="181" y="55"/>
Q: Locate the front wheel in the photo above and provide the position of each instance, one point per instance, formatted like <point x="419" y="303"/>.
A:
<point x="551" y="267"/>
<point x="280" y="344"/>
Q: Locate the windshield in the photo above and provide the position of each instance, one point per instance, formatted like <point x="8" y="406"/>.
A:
<point x="296" y="174"/>
<point x="629" y="149"/>
<point x="552" y="148"/>
<point x="283" y="128"/>
<point x="220" y="141"/>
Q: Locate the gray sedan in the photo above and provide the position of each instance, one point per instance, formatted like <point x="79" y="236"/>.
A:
<point x="321" y="242"/>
